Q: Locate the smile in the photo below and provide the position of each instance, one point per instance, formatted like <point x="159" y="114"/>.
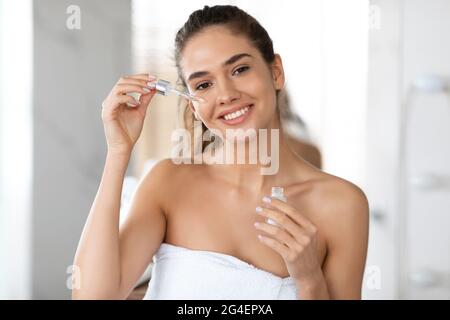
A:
<point x="236" y="116"/>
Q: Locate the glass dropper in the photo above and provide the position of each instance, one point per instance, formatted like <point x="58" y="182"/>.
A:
<point x="165" y="88"/>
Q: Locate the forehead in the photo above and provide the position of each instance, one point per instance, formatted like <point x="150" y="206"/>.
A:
<point x="213" y="46"/>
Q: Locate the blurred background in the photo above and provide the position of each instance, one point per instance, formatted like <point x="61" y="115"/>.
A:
<point x="368" y="85"/>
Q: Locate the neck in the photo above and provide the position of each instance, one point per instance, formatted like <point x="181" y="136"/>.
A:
<point x="257" y="177"/>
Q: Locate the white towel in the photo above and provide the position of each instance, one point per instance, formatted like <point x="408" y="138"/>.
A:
<point x="182" y="273"/>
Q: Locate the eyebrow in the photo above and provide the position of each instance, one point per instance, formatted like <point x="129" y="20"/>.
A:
<point x="231" y="60"/>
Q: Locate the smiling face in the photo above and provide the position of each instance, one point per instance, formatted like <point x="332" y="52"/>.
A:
<point x="238" y="85"/>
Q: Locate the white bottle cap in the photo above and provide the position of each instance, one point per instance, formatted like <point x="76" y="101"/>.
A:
<point x="277" y="192"/>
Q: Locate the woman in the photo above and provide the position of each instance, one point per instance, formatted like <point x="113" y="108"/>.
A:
<point x="199" y="220"/>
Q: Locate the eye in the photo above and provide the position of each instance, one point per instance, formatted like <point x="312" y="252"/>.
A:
<point x="241" y="70"/>
<point x="202" y="86"/>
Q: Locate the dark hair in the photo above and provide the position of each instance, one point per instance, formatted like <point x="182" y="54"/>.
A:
<point x="237" y="20"/>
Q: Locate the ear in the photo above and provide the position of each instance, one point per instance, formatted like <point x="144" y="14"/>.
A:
<point x="277" y="72"/>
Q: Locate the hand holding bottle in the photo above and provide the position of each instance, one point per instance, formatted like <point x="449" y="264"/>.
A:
<point x="292" y="235"/>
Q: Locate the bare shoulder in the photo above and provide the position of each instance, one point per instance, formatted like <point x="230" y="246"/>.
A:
<point x="334" y="204"/>
<point x="165" y="177"/>
<point x="339" y="195"/>
<point x="162" y="167"/>
<point x="157" y="181"/>
<point x="164" y="172"/>
<point x="342" y="211"/>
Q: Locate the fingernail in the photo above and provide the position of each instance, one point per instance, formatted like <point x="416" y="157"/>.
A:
<point x="266" y="199"/>
<point x="151" y="85"/>
<point x="259" y="209"/>
<point x="151" y="77"/>
<point x="256" y="224"/>
<point x="146" y="90"/>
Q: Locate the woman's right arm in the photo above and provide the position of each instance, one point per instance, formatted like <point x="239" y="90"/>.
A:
<point x="109" y="261"/>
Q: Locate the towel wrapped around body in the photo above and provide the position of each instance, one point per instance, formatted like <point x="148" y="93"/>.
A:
<point x="182" y="273"/>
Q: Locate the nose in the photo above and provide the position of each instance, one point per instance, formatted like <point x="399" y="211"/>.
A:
<point x="227" y="93"/>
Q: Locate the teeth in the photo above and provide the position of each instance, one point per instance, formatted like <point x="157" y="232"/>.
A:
<point x="236" y="114"/>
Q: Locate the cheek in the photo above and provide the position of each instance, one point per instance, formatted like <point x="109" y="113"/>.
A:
<point x="261" y="88"/>
<point x="266" y="98"/>
<point x="204" y="111"/>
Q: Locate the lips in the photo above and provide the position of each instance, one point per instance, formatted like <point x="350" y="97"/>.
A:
<point x="231" y="110"/>
<point x="240" y="118"/>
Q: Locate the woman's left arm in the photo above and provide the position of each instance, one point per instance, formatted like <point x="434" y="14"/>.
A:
<point x="346" y="234"/>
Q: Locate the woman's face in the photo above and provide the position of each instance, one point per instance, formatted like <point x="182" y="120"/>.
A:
<point x="230" y="74"/>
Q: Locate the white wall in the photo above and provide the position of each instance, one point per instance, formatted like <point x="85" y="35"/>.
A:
<point x="15" y="148"/>
<point x="426" y="48"/>
<point x="383" y="119"/>
<point x="411" y="236"/>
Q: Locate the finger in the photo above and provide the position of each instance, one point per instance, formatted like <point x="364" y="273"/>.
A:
<point x="149" y="83"/>
<point x="144" y="101"/>
<point x="291" y="212"/>
<point x="129" y="88"/>
<point x="126" y="99"/>
<point x="298" y="232"/>
<point x="141" y="76"/>
<point x="275" y="245"/>
<point x="277" y="233"/>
